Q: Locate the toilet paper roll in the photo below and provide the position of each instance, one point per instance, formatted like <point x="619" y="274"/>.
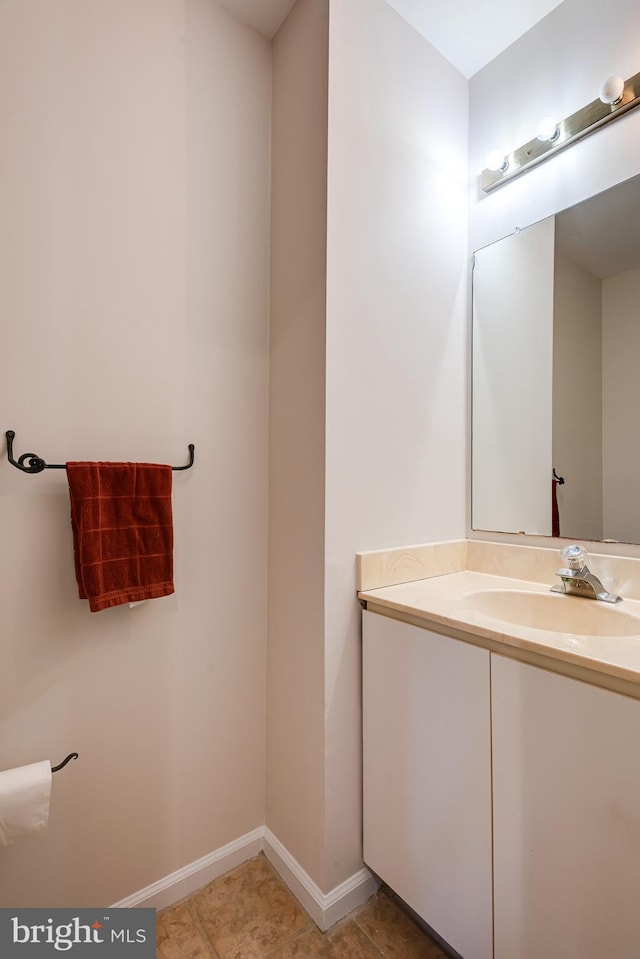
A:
<point x="25" y="793"/>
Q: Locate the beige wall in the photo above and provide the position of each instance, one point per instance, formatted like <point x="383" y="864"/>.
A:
<point x="577" y="397"/>
<point x="367" y="439"/>
<point x="133" y="303"/>
<point x="621" y="401"/>
<point x="295" y="727"/>
<point x="396" y="343"/>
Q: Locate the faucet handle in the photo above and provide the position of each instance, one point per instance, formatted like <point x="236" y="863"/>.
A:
<point x="575" y="556"/>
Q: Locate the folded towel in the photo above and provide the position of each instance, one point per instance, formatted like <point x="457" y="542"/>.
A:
<point x="122" y="531"/>
<point x="555" y="512"/>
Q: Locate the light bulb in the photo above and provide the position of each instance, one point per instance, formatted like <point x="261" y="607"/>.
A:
<point x="497" y="161"/>
<point x="548" y="130"/>
<point x="612" y="90"/>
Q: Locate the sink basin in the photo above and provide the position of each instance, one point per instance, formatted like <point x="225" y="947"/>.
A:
<point x="553" y="612"/>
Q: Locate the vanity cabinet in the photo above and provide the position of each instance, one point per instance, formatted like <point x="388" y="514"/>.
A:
<point x="501" y="800"/>
<point x="566" y="792"/>
<point x="427" y="777"/>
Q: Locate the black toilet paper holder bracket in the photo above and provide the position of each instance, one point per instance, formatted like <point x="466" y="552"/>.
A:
<point x="55" y="769"/>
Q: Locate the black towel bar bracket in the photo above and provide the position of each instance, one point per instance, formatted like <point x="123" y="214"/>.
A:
<point x="55" y="769"/>
<point x="559" y="479"/>
<point x="35" y="464"/>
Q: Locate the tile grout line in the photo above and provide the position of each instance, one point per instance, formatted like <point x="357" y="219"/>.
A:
<point x="191" y="905"/>
<point x="329" y="948"/>
<point x="439" y="954"/>
<point x="285" y="942"/>
<point x="200" y="927"/>
<point x="370" y="938"/>
<point x="295" y="900"/>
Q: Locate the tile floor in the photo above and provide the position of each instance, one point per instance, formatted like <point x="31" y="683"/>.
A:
<point x="250" y="914"/>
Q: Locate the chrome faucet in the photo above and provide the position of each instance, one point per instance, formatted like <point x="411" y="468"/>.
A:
<point x="577" y="578"/>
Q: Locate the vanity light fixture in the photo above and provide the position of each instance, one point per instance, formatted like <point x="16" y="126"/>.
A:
<point x="548" y="130"/>
<point x="497" y="161"/>
<point x="617" y="96"/>
<point x="612" y="90"/>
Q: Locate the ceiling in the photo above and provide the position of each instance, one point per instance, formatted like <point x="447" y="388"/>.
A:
<point x="490" y="26"/>
<point x="265" y="15"/>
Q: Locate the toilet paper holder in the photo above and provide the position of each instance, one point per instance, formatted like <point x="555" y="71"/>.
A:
<point x="55" y="769"/>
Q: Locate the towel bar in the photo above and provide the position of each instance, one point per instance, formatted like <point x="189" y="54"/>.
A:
<point x="36" y="464"/>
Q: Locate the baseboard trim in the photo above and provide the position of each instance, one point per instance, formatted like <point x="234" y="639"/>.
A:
<point x="324" y="908"/>
<point x="183" y="882"/>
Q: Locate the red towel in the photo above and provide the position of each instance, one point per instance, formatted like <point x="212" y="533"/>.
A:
<point x="122" y="531"/>
<point x="555" y="512"/>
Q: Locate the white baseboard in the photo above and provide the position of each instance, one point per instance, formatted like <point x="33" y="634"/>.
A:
<point x="324" y="908"/>
<point x="184" y="881"/>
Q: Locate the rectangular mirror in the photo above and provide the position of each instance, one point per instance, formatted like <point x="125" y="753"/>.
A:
<point x="556" y="374"/>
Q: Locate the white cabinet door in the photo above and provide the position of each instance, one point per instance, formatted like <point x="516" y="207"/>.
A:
<point x="427" y="777"/>
<point x="566" y="782"/>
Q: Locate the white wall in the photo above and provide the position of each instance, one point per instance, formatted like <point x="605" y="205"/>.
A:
<point x="554" y="69"/>
<point x="621" y="402"/>
<point x="577" y="397"/>
<point x="134" y="191"/>
<point x="295" y="697"/>
<point x="396" y="370"/>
